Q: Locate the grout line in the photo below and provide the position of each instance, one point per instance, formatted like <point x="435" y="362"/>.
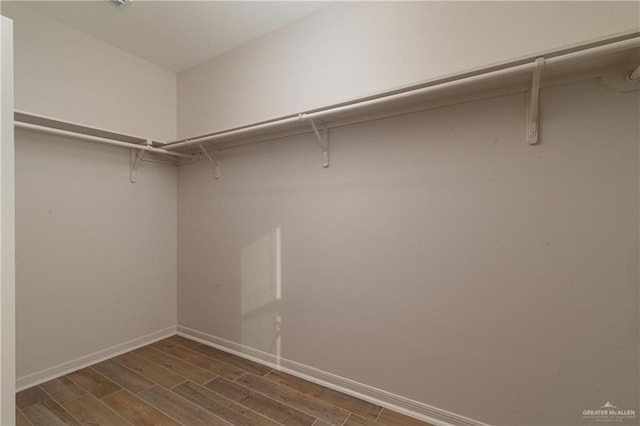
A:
<point x="302" y="409"/>
<point x="240" y="377"/>
<point x="37" y="402"/>
<point x="98" y="373"/>
<point x="230" y="356"/>
<point x="180" y="344"/>
<point x="43" y="390"/>
<point x="135" y="372"/>
<point x="166" y="349"/>
<point x="61" y="404"/>
<point x="65" y="409"/>
<point x="175" y="386"/>
<point x="379" y="413"/>
<point x="215" y="360"/>
<point x="240" y="404"/>
<point x="25" y="417"/>
<point x="154" y="406"/>
<point x="176" y="358"/>
<point x="312" y="394"/>
<point x="223" y="362"/>
<point x="132" y="371"/>
<point x="110" y="409"/>
<point x="69" y="400"/>
<point x="204" y="385"/>
<point x="156" y="365"/>
<point x="73" y="399"/>
<point x="159" y="409"/>
<point x="109" y="394"/>
<point x="189" y="403"/>
<point x="348" y="417"/>
<point x="145" y="389"/>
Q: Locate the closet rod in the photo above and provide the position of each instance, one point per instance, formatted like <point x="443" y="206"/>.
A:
<point x="59" y="132"/>
<point x="395" y="96"/>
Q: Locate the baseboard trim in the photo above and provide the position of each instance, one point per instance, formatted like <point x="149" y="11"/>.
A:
<point x="51" y="373"/>
<point x="416" y="409"/>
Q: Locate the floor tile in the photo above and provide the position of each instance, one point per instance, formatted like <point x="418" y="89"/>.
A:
<point x="182" y="341"/>
<point x="355" y="420"/>
<point x="93" y="382"/>
<point x="21" y="420"/>
<point x="137" y="411"/>
<point x="150" y="370"/>
<point x="262" y="404"/>
<point x="392" y="418"/>
<point x="179" y="408"/>
<point x="177" y="366"/>
<point x="219" y="368"/>
<point x="89" y="411"/>
<point x="362" y="408"/>
<point x="63" y="389"/>
<point x="227" y="358"/>
<point x="222" y="407"/>
<point x="49" y="413"/>
<point x="312" y="406"/>
<point x="162" y="345"/>
<point x="30" y="396"/>
<point x="124" y="377"/>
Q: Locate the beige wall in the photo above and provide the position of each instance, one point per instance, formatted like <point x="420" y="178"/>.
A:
<point x="65" y="74"/>
<point x="352" y="49"/>
<point x="95" y="255"/>
<point x="439" y="257"/>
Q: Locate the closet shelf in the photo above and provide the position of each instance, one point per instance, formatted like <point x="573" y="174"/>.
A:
<point x="514" y="76"/>
<point x="28" y="121"/>
<point x="622" y="54"/>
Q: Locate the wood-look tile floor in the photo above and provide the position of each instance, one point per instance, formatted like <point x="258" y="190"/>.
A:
<point x="178" y="381"/>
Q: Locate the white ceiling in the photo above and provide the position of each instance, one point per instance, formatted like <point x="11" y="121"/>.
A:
<point x="178" y="34"/>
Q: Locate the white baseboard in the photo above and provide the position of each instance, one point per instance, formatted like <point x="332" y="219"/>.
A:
<point x="51" y="373"/>
<point x="419" y="410"/>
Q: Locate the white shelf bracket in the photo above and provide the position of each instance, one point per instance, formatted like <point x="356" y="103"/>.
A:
<point x="634" y="76"/>
<point x="214" y="161"/>
<point x="534" y="107"/>
<point x="135" y="159"/>
<point x="322" y="137"/>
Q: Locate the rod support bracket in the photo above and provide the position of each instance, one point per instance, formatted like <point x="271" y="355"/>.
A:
<point x="135" y="160"/>
<point x="213" y="159"/>
<point x="322" y="136"/>
<point x="534" y="104"/>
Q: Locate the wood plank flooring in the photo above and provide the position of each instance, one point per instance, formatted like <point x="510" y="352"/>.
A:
<point x="178" y="381"/>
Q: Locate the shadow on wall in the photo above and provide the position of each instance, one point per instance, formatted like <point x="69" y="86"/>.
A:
<point x="261" y="294"/>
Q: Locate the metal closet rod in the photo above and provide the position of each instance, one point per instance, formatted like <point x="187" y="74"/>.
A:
<point x="393" y="96"/>
<point x="60" y="132"/>
<point x="632" y="41"/>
